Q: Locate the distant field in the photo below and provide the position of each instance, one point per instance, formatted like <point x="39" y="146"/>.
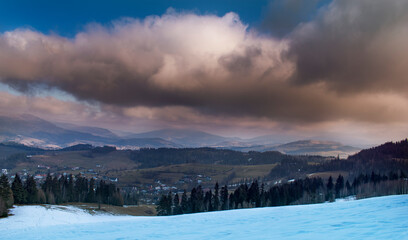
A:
<point x="113" y="160"/>
<point x="173" y="173"/>
<point x="139" y="210"/>
<point x="179" y="168"/>
<point x="118" y="164"/>
<point x="326" y="175"/>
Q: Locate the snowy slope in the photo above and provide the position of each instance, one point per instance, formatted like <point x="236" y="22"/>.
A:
<point x="375" y="218"/>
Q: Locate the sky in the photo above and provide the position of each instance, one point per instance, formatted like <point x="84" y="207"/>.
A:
<point x="318" y="69"/>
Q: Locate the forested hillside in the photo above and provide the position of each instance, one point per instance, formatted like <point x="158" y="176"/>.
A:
<point x="168" y="156"/>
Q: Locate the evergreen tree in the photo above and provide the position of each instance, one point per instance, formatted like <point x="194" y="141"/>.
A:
<point x="224" y="198"/>
<point x="169" y="203"/>
<point x="47" y="188"/>
<point x="81" y="190"/>
<point x="117" y="198"/>
<point x="3" y="208"/>
<point x="200" y="199"/>
<point x="339" y="186"/>
<point x="262" y="196"/>
<point x="5" y="191"/>
<point x="176" y="203"/>
<point x="253" y="194"/>
<point x="162" y="206"/>
<point x="70" y="189"/>
<point x="330" y="183"/>
<point x="47" y="185"/>
<point x="193" y="200"/>
<point x="31" y="189"/>
<point x="91" y="193"/>
<point x="62" y="186"/>
<point x="216" y="198"/>
<point x="348" y="187"/>
<point x="208" y="201"/>
<point x="19" y="193"/>
<point x="41" y="196"/>
<point x="231" y="201"/>
<point x="56" y="190"/>
<point x="329" y="195"/>
<point x="185" y="208"/>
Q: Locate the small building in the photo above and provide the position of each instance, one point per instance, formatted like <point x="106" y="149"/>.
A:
<point x="38" y="177"/>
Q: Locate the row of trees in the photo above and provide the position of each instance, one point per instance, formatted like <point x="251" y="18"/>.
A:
<point x="196" y="201"/>
<point x="381" y="159"/>
<point x="56" y="190"/>
<point x="150" y="157"/>
<point x="301" y="191"/>
<point x="80" y="189"/>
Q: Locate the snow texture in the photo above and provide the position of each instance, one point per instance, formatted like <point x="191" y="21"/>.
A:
<point x="374" y="218"/>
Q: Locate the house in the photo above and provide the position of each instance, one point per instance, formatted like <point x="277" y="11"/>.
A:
<point x="38" y="177"/>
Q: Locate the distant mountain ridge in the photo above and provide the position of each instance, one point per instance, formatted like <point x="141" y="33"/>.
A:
<point x="325" y="148"/>
<point x="304" y="147"/>
<point x="101" y="132"/>
<point x="388" y="150"/>
<point x="184" y="137"/>
<point x="33" y="131"/>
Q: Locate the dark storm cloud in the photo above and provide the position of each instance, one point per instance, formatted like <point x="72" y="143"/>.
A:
<point x="354" y="46"/>
<point x="209" y="66"/>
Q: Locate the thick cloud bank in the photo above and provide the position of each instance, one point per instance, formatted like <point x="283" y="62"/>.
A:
<point x="354" y="46"/>
<point x="349" y="62"/>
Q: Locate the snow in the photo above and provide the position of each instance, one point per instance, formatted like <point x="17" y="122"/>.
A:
<point x="374" y="218"/>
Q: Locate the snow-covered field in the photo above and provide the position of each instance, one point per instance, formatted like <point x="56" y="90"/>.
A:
<point x="374" y="218"/>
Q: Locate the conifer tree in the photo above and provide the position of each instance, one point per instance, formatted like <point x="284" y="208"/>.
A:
<point x="56" y="190"/>
<point x="176" y="203"/>
<point x="348" y="187"/>
<point x="3" y="208"/>
<point x="70" y="189"/>
<point x="262" y="196"/>
<point x="339" y="186"/>
<point x="19" y="193"/>
<point x="200" y="199"/>
<point x="231" y="201"/>
<point x="193" y="200"/>
<point x="31" y="188"/>
<point x="169" y="203"/>
<point x="224" y="198"/>
<point x="162" y="206"/>
<point x="47" y="188"/>
<point x="185" y="208"/>
<point x="216" y="198"/>
<point x="208" y="201"/>
<point x="329" y="196"/>
<point x="91" y="193"/>
<point x="47" y="185"/>
<point x="5" y="191"/>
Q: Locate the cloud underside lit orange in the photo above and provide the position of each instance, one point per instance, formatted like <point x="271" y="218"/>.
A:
<point x="349" y="63"/>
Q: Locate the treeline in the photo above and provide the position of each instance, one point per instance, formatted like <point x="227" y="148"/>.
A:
<point x="56" y="190"/>
<point x="382" y="159"/>
<point x="13" y="153"/>
<point x="167" y="156"/>
<point x="301" y="191"/>
<point x="389" y="150"/>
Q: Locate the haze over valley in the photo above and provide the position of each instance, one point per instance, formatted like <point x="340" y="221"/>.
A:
<point x="227" y="113"/>
<point x="36" y="132"/>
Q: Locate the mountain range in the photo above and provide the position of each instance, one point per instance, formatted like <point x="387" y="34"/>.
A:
<point x="33" y="131"/>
